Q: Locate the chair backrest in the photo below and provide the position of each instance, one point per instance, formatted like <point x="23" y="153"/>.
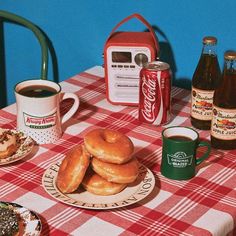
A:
<point x="10" y="17"/>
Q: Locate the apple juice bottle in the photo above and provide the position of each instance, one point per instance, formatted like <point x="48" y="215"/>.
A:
<point x="206" y="79"/>
<point x="223" y="126"/>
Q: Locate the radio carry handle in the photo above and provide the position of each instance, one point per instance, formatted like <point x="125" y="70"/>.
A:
<point x="140" y="18"/>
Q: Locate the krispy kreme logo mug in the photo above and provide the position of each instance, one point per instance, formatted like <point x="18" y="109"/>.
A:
<point x="179" y="148"/>
<point x="38" y="109"/>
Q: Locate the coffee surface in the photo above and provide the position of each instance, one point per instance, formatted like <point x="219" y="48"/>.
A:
<point x="37" y="91"/>
<point x="179" y="138"/>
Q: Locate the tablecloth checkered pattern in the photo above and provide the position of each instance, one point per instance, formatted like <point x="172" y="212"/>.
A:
<point x="202" y="206"/>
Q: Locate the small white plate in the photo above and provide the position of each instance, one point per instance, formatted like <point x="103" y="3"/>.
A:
<point x="25" y="145"/>
<point x="133" y="193"/>
<point x="31" y="220"/>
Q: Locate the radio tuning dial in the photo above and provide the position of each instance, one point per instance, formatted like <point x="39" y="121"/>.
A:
<point x="140" y="59"/>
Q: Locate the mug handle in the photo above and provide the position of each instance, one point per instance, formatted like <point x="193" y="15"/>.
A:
<point x="206" y="154"/>
<point x="74" y="107"/>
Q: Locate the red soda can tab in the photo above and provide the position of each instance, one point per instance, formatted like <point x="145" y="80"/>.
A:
<point x="155" y="93"/>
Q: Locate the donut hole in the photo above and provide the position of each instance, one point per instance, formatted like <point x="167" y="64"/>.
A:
<point x="110" y="137"/>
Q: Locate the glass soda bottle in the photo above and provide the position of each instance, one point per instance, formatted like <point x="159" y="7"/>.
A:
<point x="223" y="126"/>
<point x="206" y="79"/>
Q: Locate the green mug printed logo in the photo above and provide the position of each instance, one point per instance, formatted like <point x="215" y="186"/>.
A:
<point x="179" y="159"/>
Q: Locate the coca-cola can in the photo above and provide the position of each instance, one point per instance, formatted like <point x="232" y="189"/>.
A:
<point x="155" y="93"/>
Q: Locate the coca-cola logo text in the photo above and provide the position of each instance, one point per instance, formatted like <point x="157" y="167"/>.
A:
<point x="148" y="90"/>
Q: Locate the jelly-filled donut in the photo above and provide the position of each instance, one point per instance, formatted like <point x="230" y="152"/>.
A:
<point x="97" y="185"/>
<point x="72" y="169"/>
<point x="123" y="173"/>
<point x="109" y="145"/>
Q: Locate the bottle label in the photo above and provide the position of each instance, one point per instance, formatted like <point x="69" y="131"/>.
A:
<point x="202" y="104"/>
<point x="223" y="124"/>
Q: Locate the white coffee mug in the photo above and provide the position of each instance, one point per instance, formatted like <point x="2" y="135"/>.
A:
<point x="38" y="109"/>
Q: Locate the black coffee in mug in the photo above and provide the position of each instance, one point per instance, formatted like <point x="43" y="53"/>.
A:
<point x="180" y="138"/>
<point x="37" y="91"/>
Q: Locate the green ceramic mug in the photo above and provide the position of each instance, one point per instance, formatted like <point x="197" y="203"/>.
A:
<point x="179" y="152"/>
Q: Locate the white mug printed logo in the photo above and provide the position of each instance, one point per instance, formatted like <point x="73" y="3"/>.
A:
<point x="179" y="159"/>
<point x="43" y="122"/>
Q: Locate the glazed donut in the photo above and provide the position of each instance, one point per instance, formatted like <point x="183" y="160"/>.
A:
<point x="109" y="145"/>
<point x="123" y="174"/>
<point x="72" y="169"/>
<point x="97" y="185"/>
<point x="7" y="143"/>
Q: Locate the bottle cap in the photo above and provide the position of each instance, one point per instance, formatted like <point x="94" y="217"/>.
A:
<point x="209" y="40"/>
<point x="230" y="55"/>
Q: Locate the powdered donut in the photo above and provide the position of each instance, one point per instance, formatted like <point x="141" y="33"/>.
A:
<point x="109" y="145"/>
<point x="72" y="169"/>
<point x="123" y="173"/>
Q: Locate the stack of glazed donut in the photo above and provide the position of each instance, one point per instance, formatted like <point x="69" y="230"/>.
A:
<point x="103" y="165"/>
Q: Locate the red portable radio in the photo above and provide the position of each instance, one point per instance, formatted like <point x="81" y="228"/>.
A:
<point x="124" y="55"/>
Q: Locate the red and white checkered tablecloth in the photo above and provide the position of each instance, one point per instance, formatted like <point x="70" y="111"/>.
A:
<point x="202" y="206"/>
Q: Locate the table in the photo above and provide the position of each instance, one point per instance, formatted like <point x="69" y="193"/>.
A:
<point x="204" y="205"/>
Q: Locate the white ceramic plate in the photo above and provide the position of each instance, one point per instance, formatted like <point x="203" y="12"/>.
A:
<point x="31" y="220"/>
<point x="133" y="193"/>
<point x="25" y="145"/>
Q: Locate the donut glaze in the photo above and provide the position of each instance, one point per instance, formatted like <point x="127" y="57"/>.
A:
<point x="109" y="145"/>
<point x="124" y="173"/>
<point x="97" y="185"/>
<point x="72" y="169"/>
